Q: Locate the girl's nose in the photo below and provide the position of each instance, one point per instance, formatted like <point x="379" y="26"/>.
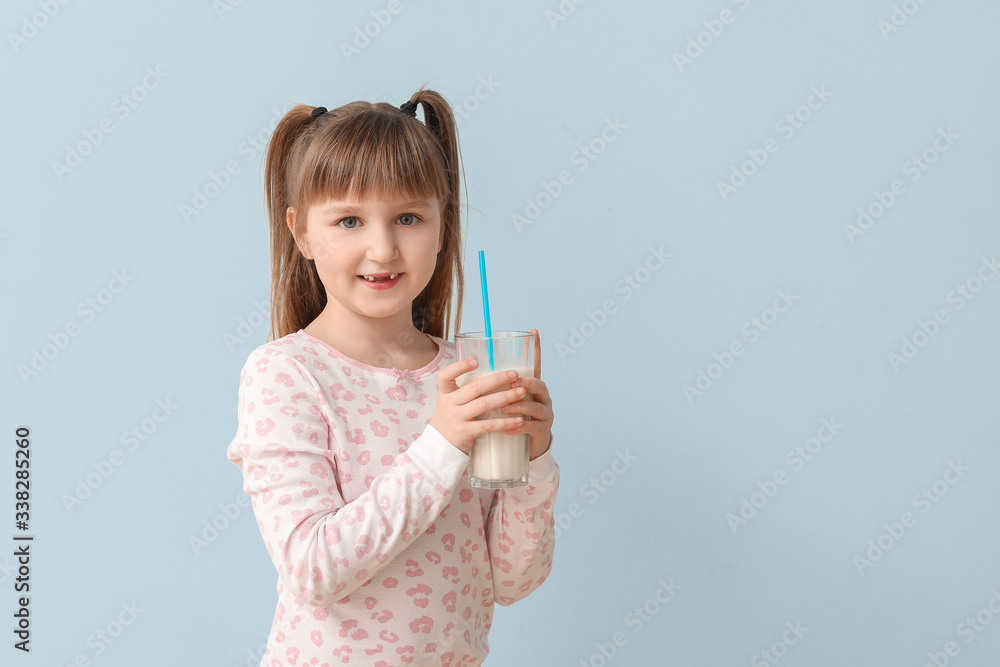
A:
<point x="382" y="246"/>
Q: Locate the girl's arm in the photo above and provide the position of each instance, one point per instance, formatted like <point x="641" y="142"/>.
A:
<point x="323" y="547"/>
<point x="520" y="532"/>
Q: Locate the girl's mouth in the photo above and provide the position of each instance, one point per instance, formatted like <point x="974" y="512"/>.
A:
<point x="380" y="280"/>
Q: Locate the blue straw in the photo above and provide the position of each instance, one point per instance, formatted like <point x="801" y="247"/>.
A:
<point x="486" y="305"/>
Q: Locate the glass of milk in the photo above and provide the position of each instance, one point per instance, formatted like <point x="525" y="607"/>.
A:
<point x="498" y="460"/>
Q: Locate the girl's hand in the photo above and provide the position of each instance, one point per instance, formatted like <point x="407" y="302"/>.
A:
<point x="537" y="405"/>
<point x="458" y="408"/>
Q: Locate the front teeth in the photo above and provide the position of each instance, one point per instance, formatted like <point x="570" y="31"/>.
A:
<point x="392" y="276"/>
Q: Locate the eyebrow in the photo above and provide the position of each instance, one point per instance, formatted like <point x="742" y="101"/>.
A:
<point x="357" y="209"/>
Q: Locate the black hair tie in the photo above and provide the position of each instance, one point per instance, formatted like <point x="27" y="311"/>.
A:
<point x="409" y="108"/>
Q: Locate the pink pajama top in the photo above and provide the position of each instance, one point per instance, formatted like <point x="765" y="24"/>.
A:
<point x="385" y="555"/>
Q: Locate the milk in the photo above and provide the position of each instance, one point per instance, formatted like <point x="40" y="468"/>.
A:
<point x="498" y="460"/>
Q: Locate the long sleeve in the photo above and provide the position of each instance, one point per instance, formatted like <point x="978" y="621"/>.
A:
<point x="520" y="532"/>
<point x="323" y="547"/>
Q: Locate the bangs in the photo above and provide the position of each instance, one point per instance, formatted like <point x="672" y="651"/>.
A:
<point x="377" y="153"/>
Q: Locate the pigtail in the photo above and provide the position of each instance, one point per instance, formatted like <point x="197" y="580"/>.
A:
<point x="297" y="294"/>
<point x="432" y="309"/>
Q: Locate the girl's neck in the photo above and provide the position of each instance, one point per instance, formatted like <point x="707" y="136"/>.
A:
<point x="405" y="349"/>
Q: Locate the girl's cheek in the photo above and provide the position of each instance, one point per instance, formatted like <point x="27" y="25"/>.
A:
<point x="326" y="247"/>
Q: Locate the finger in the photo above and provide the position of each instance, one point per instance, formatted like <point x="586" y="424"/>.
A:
<point x="536" y="389"/>
<point x="484" y="385"/>
<point x="524" y="407"/>
<point x="528" y="427"/>
<point x="448" y="376"/>
<point x="493" y="425"/>
<point x="470" y="395"/>
<point x="484" y="404"/>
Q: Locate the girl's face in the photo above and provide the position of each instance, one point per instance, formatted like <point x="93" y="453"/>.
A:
<point x="350" y="239"/>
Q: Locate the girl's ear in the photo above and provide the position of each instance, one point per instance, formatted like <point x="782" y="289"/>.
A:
<point x="304" y="246"/>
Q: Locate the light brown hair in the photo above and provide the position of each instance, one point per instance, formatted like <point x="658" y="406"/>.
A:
<point x="358" y="150"/>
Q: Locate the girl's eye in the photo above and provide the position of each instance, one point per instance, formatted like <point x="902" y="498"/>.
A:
<point x="413" y="220"/>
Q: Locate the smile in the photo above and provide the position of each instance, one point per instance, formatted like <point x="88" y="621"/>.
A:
<point x="380" y="280"/>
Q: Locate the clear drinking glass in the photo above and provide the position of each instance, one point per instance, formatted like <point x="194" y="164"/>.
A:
<point x="498" y="460"/>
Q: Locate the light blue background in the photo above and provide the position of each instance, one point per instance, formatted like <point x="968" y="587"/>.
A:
<point x="553" y="88"/>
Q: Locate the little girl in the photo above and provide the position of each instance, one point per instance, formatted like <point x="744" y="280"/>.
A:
<point x="353" y="434"/>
